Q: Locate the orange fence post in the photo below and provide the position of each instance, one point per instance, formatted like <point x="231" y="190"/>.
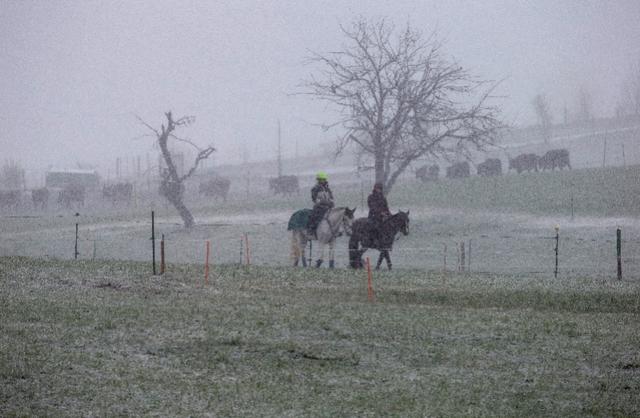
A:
<point x="370" y="293"/>
<point x="206" y="265"/>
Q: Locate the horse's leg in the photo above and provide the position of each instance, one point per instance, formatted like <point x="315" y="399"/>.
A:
<point x="387" y="255"/>
<point x="303" y="248"/>
<point x="295" y="249"/>
<point x="354" y="253"/>
<point x="320" y="259"/>
<point x="380" y="258"/>
<point x="360" y="254"/>
<point x="332" y="253"/>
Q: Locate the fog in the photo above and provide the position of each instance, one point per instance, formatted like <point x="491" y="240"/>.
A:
<point x="76" y="74"/>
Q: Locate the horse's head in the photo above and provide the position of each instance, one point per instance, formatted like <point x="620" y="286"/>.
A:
<point x="347" y="220"/>
<point x="403" y="222"/>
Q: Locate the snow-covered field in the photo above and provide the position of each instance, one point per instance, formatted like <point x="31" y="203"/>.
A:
<point x="96" y="338"/>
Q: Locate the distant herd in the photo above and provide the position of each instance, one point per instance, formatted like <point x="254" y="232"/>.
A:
<point x="286" y="185"/>
<point x="74" y="195"/>
<point x="555" y="158"/>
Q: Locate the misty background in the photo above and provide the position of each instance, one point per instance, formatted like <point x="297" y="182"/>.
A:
<point x="76" y="74"/>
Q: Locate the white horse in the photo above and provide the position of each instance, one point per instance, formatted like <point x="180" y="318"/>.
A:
<point x="334" y="222"/>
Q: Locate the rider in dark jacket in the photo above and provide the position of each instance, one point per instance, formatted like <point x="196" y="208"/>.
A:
<point x="378" y="209"/>
<point x="322" y="198"/>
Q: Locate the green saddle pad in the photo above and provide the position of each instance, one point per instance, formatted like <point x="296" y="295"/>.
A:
<point x="299" y="219"/>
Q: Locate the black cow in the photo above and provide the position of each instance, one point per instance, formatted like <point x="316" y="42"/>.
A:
<point x="119" y="192"/>
<point x="40" y="198"/>
<point x="458" y="170"/>
<point x="490" y="167"/>
<point x="72" y="194"/>
<point x="524" y="162"/>
<point x="428" y="173"/>
<point x="555" y="158"/>
<point x="217" y="187"/>
<point x="285" y="185"/>
<point x="10" y="199"/>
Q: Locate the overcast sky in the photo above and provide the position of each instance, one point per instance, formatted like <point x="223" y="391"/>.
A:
<point x="74" y="74"/>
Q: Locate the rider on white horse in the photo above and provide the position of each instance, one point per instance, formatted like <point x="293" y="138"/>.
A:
<point x="322" y="198"/>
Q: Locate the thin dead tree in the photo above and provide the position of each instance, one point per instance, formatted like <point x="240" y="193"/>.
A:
<point x="399" y="99"/>
<point x="171" y="182"/>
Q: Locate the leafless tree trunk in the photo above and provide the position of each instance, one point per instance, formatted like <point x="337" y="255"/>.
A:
<point x="171" y="183"/>
<point x="399" y="99"/>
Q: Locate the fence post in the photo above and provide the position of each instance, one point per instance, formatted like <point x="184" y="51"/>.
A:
<point x="162" y="265"/>
<point x="462" y="257"/>
<point x="445" y="259"/>
<point x="206" y="264"/>
<point x="248" y="251"/>
<point x="469" y="265"/>
<point x="75" y="251"/>
<point x="370" y="294"/>
<point x="153" y="241"/>
<point x="241" y="249"/>
<point x="555" y="272"/>
<point x="619" y="251"/>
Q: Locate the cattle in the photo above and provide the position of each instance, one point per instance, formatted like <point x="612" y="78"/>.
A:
<point x="285" y="185"/>
<point x="119" y="192"/>
<point x="555" y="158"/>
<point x="524" y="162"/>
<point x="490" y="167"/>
<point x="40" y="198"/>
<point x="217" y="187"/>
<point x="10" y="199"/>
<point x="428" y="173"/>
<point x="72" y="194"/>
<point x="458" y="170"/>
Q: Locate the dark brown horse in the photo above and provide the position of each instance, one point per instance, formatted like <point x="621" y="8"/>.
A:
<point x="365" y="236"/>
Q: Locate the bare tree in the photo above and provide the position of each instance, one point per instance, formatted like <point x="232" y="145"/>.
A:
<point x="171" y="183"/>
<point x="399" y="99"/>
<point x="543" y="115"/>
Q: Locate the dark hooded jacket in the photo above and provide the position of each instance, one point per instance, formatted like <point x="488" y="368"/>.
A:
<point x="378" y="206"/>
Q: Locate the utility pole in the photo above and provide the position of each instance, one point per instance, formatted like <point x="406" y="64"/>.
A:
<point x="279" y="151"/>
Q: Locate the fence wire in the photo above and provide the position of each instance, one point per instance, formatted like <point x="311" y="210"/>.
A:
<point x="512" y="254"/>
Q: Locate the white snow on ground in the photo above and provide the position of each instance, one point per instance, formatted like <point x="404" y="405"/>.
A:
<point x="528" y="220"/>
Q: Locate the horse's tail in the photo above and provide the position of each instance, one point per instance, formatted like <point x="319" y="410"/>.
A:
<point x="354" y="252"/>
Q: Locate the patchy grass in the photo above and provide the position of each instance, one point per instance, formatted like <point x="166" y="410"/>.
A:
<point x="107" y="338"/>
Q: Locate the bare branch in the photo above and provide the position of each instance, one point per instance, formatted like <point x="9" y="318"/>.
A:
<point x="399" y="99"/>
<point x="172" y="184"/>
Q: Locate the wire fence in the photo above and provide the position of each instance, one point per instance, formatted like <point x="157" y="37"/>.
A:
<point x="584" y="252"/>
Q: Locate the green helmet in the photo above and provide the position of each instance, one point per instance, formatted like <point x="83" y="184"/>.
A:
<point x="322" y="176"/>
